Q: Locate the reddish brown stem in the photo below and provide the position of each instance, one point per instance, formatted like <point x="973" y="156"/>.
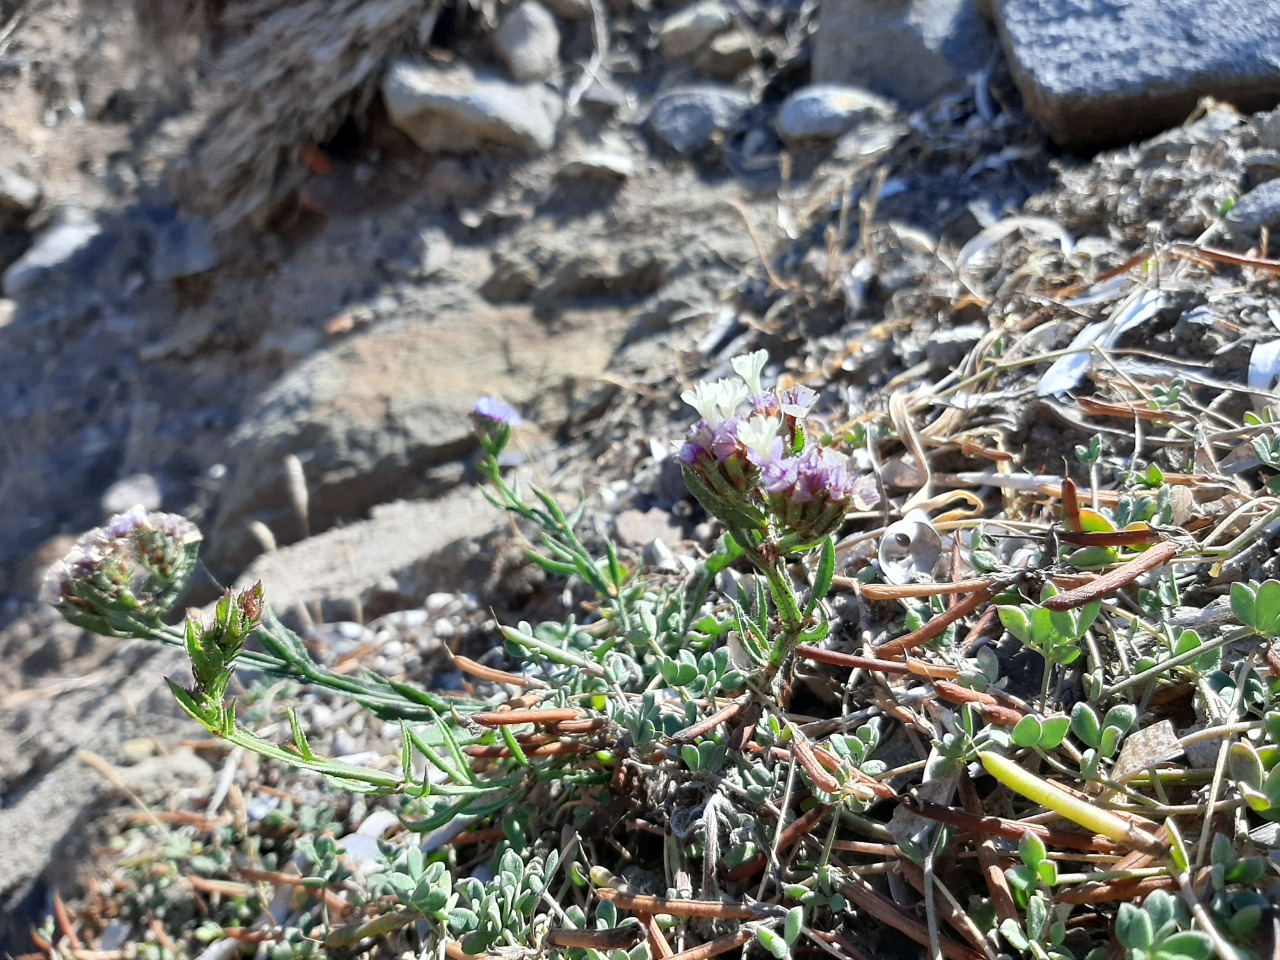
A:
<point x="834" y="658"/>
<point x="507" y="718"/>
<point x="935" y="627"/>
<point x="705" y="726"/>
<point x="619" y="938"/>
<point x="702" y="909"/>
<point x="1009" y="829"/>
<point x="1121" y="576"/>
<point x="989" y="858"/>
<point x="715" y="948"/>
<point x="889" y="913"/>
<point x="898" y="591"/>
<point x="790" y="835"/>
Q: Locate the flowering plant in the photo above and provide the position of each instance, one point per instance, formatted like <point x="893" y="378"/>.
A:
<point x="751" y="462"/>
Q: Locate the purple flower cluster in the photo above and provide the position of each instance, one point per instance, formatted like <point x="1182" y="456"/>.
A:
<point x="749" y="463"/>
<point x="137" y="560"/>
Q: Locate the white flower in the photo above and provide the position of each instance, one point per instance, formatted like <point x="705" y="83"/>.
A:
<point x="716" y="401"/>
<point x="750" y="367"/>
<point x="758" y="433"/>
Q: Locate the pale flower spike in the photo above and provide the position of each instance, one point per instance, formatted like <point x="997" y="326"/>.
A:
<point x="750" y="367"/>
<point x="758" y="433"/>
<point x="716" y="401"/>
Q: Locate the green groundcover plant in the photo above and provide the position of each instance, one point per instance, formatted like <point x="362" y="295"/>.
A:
<point x="646" y="779"/>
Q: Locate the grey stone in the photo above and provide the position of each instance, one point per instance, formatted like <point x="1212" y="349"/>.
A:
<point x="139" y="489"/>
<point x="528" y="41"/>
<point x="1260" y="207"/>
<point x="604" y="95"/>
<point x="57" y="248"/>
<point x="18" y="195"/>
<point x="610" y="159"/>
<point x="687" y="117"/>
<point x="420" y="546"/>
<point x="827" y="110"/>
<point x="911" y="50"/>
<point x="369" y="416"/>
<point x="685" y="31"/>
<point x="1099" y="72"/>
<point x="456" y="110"/>
<point x="571" y="9"/>
<point x="599" y="164"/>
<point x="636" y="528"/>
<point x="727" y="55"/>
<point x="183" y="248"/>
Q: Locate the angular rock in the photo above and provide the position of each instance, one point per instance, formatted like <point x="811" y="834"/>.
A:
<point x="138" y="489"/>
<point x="687" y="117"/>
<point x="910" y="50"/>
<point x="528" y="41"/>
<point x="57" y="248"/>
<point x="18" y="195"/>
<point x="684" y="32"/>
<point x="456" y="110"/>
<point x="404" y="551"/>
<point x="827" y="110"/>
<point x="1260" y="207"/>
<point x="183" y="248"/>
<point x="369" y="416"/>
<point x="1098" y="73"/>
<point x="727" y="55"/>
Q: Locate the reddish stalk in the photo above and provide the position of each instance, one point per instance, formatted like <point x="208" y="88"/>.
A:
<point x="715" y="948"/>
<point x="989" y="858"/>
<point x="833" y="658"/>
<point x="1123" y="575"/>
<point x="937" y="625"/>
<point x="1009" y="829"/>
<point x="507" y="718"/>
<point x="701" y="909"/>
<point x="889" y="913"/>
<point x="481" y="672"/>
<point x="658" y="946"/>
<point x="619" y="938"/>
<point x="896" y="591"/>
<point x="706" y="725"/>
<point x="956" y="919"/>
<point x="790" y="836"/>
<point x="1108" y="891"/>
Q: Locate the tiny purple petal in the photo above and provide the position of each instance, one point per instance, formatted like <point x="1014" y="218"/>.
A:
<point x="494" y="410"/>
<point x="764" y="458"/>
<point x="765" y="405"/>
<point x="779" y="475"/>
<point x="725" y="439"/>
<point x="698" y="445"/>
<point x="798" y="401"/>
<point x="123" y="524"/>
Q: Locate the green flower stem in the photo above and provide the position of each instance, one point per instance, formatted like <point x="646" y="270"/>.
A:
<point x="1164" y="666"/>
<point x="568" y="555"/>
<point x="283" y="655"/>
<point x="1078" y="811"/>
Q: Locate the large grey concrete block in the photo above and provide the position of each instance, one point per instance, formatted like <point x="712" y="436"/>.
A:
<point x="1102" y="72"/>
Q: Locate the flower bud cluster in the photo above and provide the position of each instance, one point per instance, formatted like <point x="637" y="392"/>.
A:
<point x="129" y="570"/>
<point x="749" y="461"/>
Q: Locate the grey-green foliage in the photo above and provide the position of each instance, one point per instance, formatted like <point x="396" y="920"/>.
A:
<point x="1160" y="930"/>
<point x="498" y="913"/>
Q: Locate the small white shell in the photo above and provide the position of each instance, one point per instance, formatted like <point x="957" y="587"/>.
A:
<point x="909" y="550"/>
